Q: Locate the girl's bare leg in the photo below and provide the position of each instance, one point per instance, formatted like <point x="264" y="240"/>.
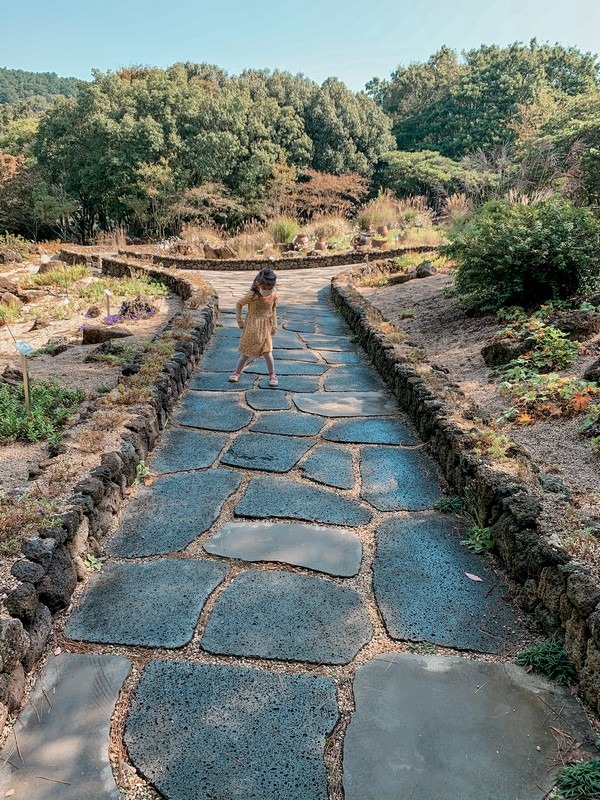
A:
<point x="241" y="364"/>
<point x="270" y="362"/>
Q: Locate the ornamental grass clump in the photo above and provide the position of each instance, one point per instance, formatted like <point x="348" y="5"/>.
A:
<point x="549" y="659"/>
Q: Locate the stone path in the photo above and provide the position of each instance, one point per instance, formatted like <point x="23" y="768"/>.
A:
<point x="269" y="586"/>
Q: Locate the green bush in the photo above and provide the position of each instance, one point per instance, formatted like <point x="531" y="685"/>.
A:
<point x="579" y="781"/>
<point x="512" y="254"/>
<point x="549" y="659"/>
<point x="51" y="406"/>
<point x="283" y="229"/>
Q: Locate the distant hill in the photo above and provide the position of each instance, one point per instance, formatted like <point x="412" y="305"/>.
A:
<point x="38" y="88"/>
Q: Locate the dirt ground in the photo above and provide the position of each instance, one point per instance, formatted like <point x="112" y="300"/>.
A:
<point x="450" y="341"/>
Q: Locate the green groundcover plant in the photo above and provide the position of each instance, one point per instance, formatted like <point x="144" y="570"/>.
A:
<point x="514" y="254"/>
<point x="51" y="405"/>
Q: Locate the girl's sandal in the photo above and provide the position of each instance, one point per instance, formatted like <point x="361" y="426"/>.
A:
<point x="273" y="380"/>
<point x="234" y="377"/>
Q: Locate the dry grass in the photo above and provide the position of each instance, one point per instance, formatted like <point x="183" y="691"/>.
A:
<point x="137" y="389"/>
<point x="385" y="209"/>
<point x="21" y="516"/>
<point x="252" y="239"/>
<point x="427" y="236"/>
<point x="9" y="312"/>
<point x="60" y="278"/>
<point x="328" y="226"/>
<point x="111" y="239"/>
<point x="199" y="234"/>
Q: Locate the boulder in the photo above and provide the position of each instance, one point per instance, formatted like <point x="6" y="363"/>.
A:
<point x="97" y="335"/>
<point x="25" y="570"/>
<point x="49" y="266"/>
<point x="22" y="602"/>
<point x="578" y="325"/>
<point x="39" y="323"/>
<point x="39" y="632"/>
<point x="61" y="577"/>
<point x="15" y="688"/>
<point x="10" y="257"/>
<point x="402" y="277"/>
<point x="592" y="373"/>
<point x="501" y="351"/>
<point x="93" y="311"/>
<point x="425" y="270"/>
<point x="10" y="299"/>
<point x="14" y="642"/>
<point x="6" y="285"/>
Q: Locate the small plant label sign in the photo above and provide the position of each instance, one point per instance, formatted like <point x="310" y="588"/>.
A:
<point x="24" y="348"/>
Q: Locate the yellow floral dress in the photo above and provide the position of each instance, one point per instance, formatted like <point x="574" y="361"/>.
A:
<point x="261" y="318"/>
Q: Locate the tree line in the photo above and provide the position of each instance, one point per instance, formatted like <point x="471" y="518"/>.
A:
<point x="147" y="148"/>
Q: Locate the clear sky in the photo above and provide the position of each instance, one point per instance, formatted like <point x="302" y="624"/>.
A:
<point x="351" y="39"/>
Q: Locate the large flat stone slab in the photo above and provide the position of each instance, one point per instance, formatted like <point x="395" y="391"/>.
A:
<point x="287" y="423"/>
<point x="300" y="327"/>
<point x="149" y="604"/>
<point x="346" y="404"/>
<point x="213" y="412"/>
<point x="331" y="550"/>
<point x="288" y="617"/>
<point x="446" y="728"/>
<point x="168" y="515"/>
<point x="397" y="479"/>
<point x="352" y="378"/>
<point x="63" y="748"/>
<point x="317" y="342"/>
<point x="330" y="465"/>
<point x="293" y="383"/>
<point x="233" y="733"/>
<point x="219" y="381"/>
<point x="286" y="340"/>
<point x="268" y="399"/>
<point x="180" y="450"/>
<point x="371" y="431"/>
<point x="346" y="357"/>
<point x="296" y="355"/>
<point x="266" y="452"/>
<point x="287" y="368"/>
<point x="287" y="499"/>
<point x="424" y="594"/>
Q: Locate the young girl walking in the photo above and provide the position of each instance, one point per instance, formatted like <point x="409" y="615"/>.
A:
<point x="260" y="324"/>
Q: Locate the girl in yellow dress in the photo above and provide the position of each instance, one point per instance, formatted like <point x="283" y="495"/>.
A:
<point x="260" y="324"/>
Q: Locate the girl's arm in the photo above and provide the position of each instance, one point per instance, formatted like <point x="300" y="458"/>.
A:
<point x="238" y="309"/>
<point x="274" y="316"/>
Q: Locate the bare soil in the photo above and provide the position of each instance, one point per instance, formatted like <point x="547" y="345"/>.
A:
<point x="446" y="345"/>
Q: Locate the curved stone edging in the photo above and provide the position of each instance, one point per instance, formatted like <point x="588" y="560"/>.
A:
<point x="561" y="593"/>
<point x="48" y="571"/>
<point x="301" y="262"/>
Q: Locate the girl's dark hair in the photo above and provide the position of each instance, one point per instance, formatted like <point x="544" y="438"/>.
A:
<point x="266" y="277"/>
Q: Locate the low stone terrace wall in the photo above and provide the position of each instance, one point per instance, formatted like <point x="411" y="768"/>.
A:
<point x="560" y="593"/>
<point x="48" y="569"/>
<point x="296" y="262"/>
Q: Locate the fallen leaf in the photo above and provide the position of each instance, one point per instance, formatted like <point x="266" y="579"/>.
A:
<point x="9" y="793"/>
<point x="148" y="481"/>
<point x="58" y="651"/>
<point x="473" y="577"/>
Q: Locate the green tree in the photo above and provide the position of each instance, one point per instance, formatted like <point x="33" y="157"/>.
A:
<point x="422" y="173"/>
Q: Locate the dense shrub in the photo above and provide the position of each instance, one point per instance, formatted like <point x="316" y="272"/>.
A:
<point x="283" y="229"/>
<point x="511" y="254"/>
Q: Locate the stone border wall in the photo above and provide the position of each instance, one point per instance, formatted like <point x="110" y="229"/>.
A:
<point x="560" y="593"/>
<point x="52" y="562"/>
<point x="300" y="262"/>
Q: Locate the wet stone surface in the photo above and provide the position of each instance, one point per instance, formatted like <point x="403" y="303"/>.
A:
<point x="371" y="431"/>
<point x="213" y="412"/>
<point x="150" y="604"/>
<point x="180" y="450"/>
<point x="219" y="382"/>
<point x="346" y="404"/>
<point x="284" y="616"/>
<point x="293" y="383"/>
<point x="352" y="378"/>
<point x="331" y="550"/>
<point x="420" y="568"/>
<point x="447" y="728"/>
<point x="63" y="748"/>
<point x="287" y="423"/>
<point x="252" y="734"/>
<point x="395" y="479"/>
<point x="266" y="452"/>
<point x="150" y="525"/>
<point x="331" y="466"/>
<point x="281" y="497"/>
<point x="268" y="400"/>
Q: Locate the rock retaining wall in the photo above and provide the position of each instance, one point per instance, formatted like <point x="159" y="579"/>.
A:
<point x="560" y="593"/>
<point x="295" y="262"/>
<point x="52" y="562"/>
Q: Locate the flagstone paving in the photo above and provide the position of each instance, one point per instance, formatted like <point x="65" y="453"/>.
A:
<point x="172" y="512"/>
<point x="150" y="604"/>
<point x="231" y="733"/>
<point x="335" y="551"/>
<point x="250" y="584"/>
<point x="283" y="616"/>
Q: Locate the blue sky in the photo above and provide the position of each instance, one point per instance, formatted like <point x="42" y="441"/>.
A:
<point x="353" y="40"/>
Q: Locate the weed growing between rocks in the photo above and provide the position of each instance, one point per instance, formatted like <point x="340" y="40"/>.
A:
<point x="448" y="505"/>
<point x="579" y="781"/>
<point x="549" y="659"/>
<point x="479" y="539"/>
<point x="21" y="516"/>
